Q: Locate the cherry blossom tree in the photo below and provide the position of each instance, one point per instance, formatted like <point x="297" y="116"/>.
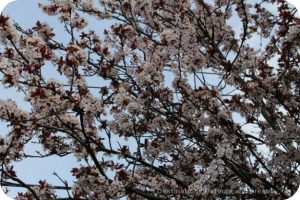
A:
<point x="192" y="99"/>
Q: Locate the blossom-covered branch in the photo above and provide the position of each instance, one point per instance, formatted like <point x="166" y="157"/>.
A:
<point x="185" y="103"/>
